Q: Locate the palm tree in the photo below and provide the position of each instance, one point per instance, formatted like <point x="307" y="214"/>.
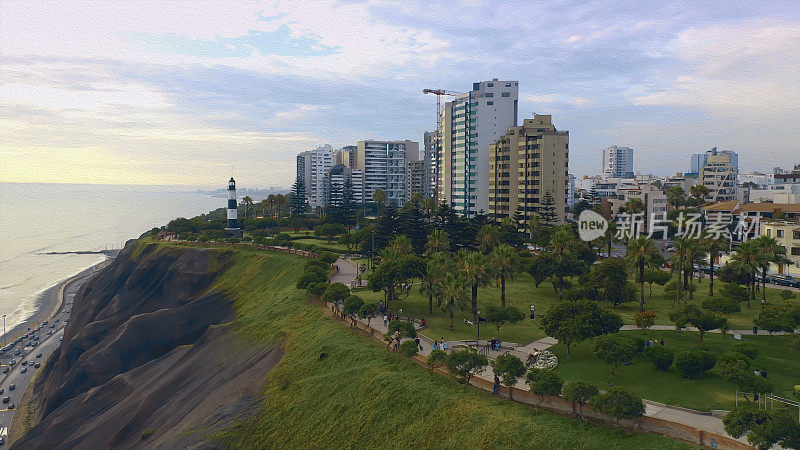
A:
<point x="675" y="196"/>
<point x="429" y="207"/>
<point x="699" y="192"/>
<point x="714" y="247"/>
<point x="438" y="242"/>
<point x="678" y="265"/>
<point x="746" y="259"/>
<point x="401" y="245"/>
<point x="264" y="204"/>
<point x="770" y="252"/>
<point x="505" y="262"/>
<point x="437" y="266"/>
<point x="475" y="273"/>
<point x="248" y="202"/>
<point x="488" y="237"/>
<point x="641" y="253"/>
<point x="451" y="288"/>
<point x="380" y="198"/>
<point x="280" y="202"/>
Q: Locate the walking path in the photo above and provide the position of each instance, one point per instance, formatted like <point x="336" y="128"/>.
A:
<point x="682" y="416"/>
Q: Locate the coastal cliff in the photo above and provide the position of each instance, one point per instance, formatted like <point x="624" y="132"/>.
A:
<point x="149" y="353"/>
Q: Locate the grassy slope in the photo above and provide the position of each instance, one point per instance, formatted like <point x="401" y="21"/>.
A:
<point x="363" y="396"/>
<point x="523" y="293"/>
<point x="704" y="393"/>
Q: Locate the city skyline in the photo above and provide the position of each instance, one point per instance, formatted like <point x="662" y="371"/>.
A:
<point x="180" y="94"/>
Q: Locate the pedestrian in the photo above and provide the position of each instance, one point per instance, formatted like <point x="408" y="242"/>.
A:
<point x="385" y="320"/>
<point x="662" y="342"/>
<point x="757" y="372"/>
<point x="436" y="345"/>
<point x="496" y="385"/>
<point x="423" y="323"/>
<point x="418" y="344"/>
<point x="444" y="345"/>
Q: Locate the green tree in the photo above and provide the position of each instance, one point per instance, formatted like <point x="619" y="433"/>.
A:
<point x="764" y="429"/>
<point x="661" y="356"/>
<point x="703" y="320"/>
<point x="775" y="320"/>
<point x="315" y="290"/>
<point x="676" y="196"/>
<point x="438" y="242"/>
<point x="656" y="276"/>
<point x="746" y="260"/>
<point x="408" y="349"/>
<point x="578" y="392"/>
<point x="618" y="404"/>
<point x="563" y="253"/>
<point x="544" y="382"/>
<point x="690" y="363"/>
<point x="475" y="273"/>
<point x="722" y="305"/>
<point x="572" y="322"/>
<point x="368" y="311"/>
<point x="248" y="203"/>
<point x="466" y="363"/>
<point x="698" y="191"/>
<point x="547" y="210"/>
<point x="614" y="350"/>
<point x="352" y="305"/>
<point x="336" y="293"/>
<point x="451" y="288"/>
<point x="436" y="358"/>
<point x="610" y="279"/>
<point x="505" y="263"/>
<point x="437" y="265"/>
<point x="509" y="368"/>
<point x="502" y="315"/>
<point x="298" y="203"/>
<point x="769" y="252"/>
<point x="488" y="238"/>
<point x="393" y="276"/>
<point x="641" y="254"/>
<point x="330" y="230"/>
<point x="380" y="198"/>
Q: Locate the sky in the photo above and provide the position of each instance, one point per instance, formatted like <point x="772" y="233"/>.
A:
<point x="190" y="92"/>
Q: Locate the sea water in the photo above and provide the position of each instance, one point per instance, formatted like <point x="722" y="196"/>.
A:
<point x="38" y="219"/>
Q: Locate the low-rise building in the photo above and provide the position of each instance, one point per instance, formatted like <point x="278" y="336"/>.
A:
<point x="787" y="233"/>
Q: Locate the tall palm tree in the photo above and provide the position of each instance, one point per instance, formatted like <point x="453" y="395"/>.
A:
<point x="770" y="252"/>
<point x="451" y="288"/>
<point x="714" y="247"/>
<point x="401" y="245"/>
<point x="699" y="192"/>
<point x="280" y="202"/>
<point x="505" y="262"/>
<point x="429" y="207"/>
<point x="248" y="202"/>
<point x="380" y="198"/>
<point x="678" y="265"/>
<point x="746" y="259"/>
<point x="488" y="237"/>
<point x="263" y="204"/>
<point x="437" y="266"/>
<point x="642" y="253"/>
<point x="475" y="273"/>
<point x="438" y="242"/>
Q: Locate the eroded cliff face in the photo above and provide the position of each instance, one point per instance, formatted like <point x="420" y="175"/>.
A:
<point x="149" y="358"/>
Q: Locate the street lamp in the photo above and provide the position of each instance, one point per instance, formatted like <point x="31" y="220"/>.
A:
<point x="479" y="327"/>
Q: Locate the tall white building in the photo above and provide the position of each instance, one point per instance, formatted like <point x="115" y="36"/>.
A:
<point x="314" y="166"/>
<point x="720" y="176"/>
<point x="335" y="181"/>
<point x="470" y="123"/>
<point x="618" y="162"/>
<point x="384" y="166"/>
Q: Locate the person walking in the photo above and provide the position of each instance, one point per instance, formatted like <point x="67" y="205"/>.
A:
<point x="496" y="385"/>
<point x="418" y="344"/>
<point x="385" y="320"/>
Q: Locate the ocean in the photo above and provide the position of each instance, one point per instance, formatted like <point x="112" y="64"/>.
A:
<point x="38" y="219"/>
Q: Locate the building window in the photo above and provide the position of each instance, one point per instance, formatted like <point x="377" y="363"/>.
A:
<point x="490" y="84"/>
<point x="489" y="103"/>
<point x="489" y="94"/>
<point x="505" y="94"/>
<point x="779" y="233"/>
<point x="795" y="251"/>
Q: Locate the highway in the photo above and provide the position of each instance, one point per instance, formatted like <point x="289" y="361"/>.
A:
<point x="20" y="375"/>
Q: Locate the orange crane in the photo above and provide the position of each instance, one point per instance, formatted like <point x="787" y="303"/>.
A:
<point x="438" y="144"/>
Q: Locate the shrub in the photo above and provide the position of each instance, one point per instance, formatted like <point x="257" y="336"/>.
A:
<point x="730" y="358"/>
<point x="638" y="344"/>
<point x="690" y="363"/>
<point x="436" y="358"/>
<point x="328" y="257"/>
<point x="723" y="305"/>
<point x="645" y="319"/>
<point x="466" y="363"/>
<point x="709" y="360"/>
<point x="311" y="277"/>
<point x="618" y="404"/>
<point x="408" y="348"/>
<point x="787" y="294"/>
<point x="660" y="356"/>
<point x="746" y="348"/>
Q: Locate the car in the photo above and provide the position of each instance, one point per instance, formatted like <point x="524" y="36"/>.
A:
<point x="5" y="369"/>
<point x="11" y="406"/>
<point x="785" y="280"/>
<point x="57" y="320"/>
<point x="6" y="399"/>
<point x="37" y="365"/>
<point x="13" y="361"/>
<point x="2" y="390"/>
<point x="49" y="333"/>
<point x="52" y="325"/>
<point x="24" y="369"/>
<point x="11" y="387"/>
<point x="31" y="362"/>
<point x="24" y="362"/>
<point x="2" y="440"/>
<point x="44" y="323"/>
<point x="39" y="355"/>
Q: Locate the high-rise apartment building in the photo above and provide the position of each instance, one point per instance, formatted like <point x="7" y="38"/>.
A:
<point x="618" y="162"/>
<point x="470" y="124"/>
<point x="415" y="179"/>
<point x="699" y="160"/>
<point x="347" y="156"/>
<point x="429" y="158"/>
<point x="384" y="166"/>
<point x="719" y="175"/>
<point x="335" y="181"/>
<point x="526" y="164"/>
<point x="314" y="166"/>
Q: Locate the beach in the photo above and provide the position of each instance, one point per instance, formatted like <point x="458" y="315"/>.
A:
<point x="50" y="302"/>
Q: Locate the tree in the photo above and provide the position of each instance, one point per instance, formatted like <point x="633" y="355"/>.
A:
<point x="769" y="252"/>
<point x="764" y="429"/>
<point x="315" y="290"/>
<point x="509" y="368"/>
<point x="499" y="316"/>
<point x="746" y="260"/>
<point x="614" y="350"/>
<point x="368" y="311"/>
<point x="579" y="207"/>
<point x="572" y="322"/>
<point x="248" y="203"/>
<point x="437" y="265"/>
<point x="436" y="358"/>
<point x="451" y="288"/>
<point x="466" y="363"/>
<point x="640" y="254"/>
<point x="298" y="203"/>
<point x="330" y="230"/>
<point x="722" y="305"/>
<point x="352" y="305"/>
<point x="399" y="329"/>
<point x="676" y="196"/>
<point x="656" y="276"/>
<point x="775" y="320"/>
<point x="578" y="392"/>
<point x="645" y="319"/>
<point x="610" y="279"/>
<point x="347" y="206"/>
<point x="563" y="253"/>
<point x="540" y="268"/>
<point x="690" y="363"/>
<point x="506" y="264"/>
<point x="380" y="198"/>
<point x="703" y="320"/>
<point x="408" y="348"/>
<point x="547" y="210"/>
<point x="438" y="242"/>
<point x="618" y="404"/>
<point x="488" y="238"/>
<point x="336" y="293"/>
<point x="544" y="382"/>
<point x="393" y="275"/>
<point x="734" y="293"/>
<point x="714" y="246"/>
<point x="312" y="276"/>
<point x="660" y="356"/>
<point x="475" y="273"/>
<point x="699" y="192"/>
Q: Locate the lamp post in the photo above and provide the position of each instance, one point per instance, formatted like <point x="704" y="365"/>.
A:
<point x="479" y="327"/>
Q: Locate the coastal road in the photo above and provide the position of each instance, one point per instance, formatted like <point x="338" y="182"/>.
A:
<point x="20" y="375"/>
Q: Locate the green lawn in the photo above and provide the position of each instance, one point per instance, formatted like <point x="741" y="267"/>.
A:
<point x="708" y="392"/>
<point x="361" y="396"/>
<point x="320" y="241"/>
<point x="523" y="293"/>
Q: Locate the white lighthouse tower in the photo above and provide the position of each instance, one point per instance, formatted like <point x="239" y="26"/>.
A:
<point x="233" y="216"/>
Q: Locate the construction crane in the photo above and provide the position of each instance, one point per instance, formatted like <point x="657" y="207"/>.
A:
<point x="437" y="146"/>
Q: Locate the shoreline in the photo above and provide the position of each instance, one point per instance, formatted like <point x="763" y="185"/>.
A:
<point x="50" y="302"/>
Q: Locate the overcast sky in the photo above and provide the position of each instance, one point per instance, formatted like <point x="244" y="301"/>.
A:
<point x="177" y="92"/>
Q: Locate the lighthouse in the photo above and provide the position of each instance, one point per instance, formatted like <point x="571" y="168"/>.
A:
<point x="233" y="223"/>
